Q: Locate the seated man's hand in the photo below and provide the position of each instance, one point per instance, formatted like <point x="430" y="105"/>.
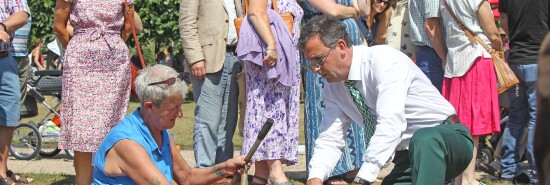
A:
<point x="235" y="165"/>
<point x="314" y="181"/>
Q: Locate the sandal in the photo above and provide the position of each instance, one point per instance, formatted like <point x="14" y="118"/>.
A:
<point x="22" y="178"/>
<point x="273" y="182"/>
<point x="263" y="181"/>
<point x="7" y="181"/>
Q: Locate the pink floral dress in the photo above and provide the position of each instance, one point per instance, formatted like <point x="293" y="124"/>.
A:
<point x="96" y="74"/>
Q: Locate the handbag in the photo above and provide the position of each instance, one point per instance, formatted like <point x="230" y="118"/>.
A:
<point x="288" y="18"/>
<point x="134" y="70"/>
<point x="506" y="78"/>
<point x="399" y="30"/>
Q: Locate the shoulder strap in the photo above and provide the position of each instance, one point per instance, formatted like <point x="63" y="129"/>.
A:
<point x="471" y="36"/>
<point x="138" y="48"/>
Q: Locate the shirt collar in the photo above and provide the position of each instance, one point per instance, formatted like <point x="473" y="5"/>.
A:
<point x="355" y="70"/>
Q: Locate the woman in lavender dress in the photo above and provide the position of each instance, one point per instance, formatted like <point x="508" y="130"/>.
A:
<point x="272" y="70"/>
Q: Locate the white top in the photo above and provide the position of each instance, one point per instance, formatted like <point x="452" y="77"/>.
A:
<point x="462" y="52"/>
<point x="399" y="96"/>
<point x="231" y="15"/>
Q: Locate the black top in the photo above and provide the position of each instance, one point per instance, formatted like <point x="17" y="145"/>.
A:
<point x="527" y="26"/>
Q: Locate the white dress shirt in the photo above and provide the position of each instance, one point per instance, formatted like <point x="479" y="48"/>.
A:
<point x="231" y="15"/>
<point x="399" y="96"/>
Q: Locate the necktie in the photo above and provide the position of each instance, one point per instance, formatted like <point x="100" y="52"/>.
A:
<point x="368" y="120"/>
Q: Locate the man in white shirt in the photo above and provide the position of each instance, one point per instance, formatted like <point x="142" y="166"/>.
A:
<point x="411" y="120"/>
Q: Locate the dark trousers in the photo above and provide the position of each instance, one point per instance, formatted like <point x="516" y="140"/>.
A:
<point x="435" y="155"/>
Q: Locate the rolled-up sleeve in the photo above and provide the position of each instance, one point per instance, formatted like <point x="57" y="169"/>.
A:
<point x="330" y="143"/>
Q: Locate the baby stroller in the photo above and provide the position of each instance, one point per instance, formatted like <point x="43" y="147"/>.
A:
<point x="39" y="138"/>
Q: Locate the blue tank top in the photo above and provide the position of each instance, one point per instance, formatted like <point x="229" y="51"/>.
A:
<point x="133" y="128"/>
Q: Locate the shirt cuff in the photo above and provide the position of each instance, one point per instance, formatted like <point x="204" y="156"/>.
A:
<point x="368" y="172"/>
<point x="316" y="174"/>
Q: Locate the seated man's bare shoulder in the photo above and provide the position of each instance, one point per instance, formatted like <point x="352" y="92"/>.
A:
<point x="127" y="157"/>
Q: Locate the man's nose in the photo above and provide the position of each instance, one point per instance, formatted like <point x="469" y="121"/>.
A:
<point x="316" y="69"/>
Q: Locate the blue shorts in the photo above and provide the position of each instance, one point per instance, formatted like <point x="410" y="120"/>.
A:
<point x="9" y="92"/>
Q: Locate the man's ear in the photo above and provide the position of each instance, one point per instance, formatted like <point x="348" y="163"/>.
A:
<point x="148" y="106"/>
<point x="341" y="44"/>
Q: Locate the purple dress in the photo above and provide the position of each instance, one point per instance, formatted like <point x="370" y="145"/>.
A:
<point x="269" y="98"/>
<point x="96" y="74"/>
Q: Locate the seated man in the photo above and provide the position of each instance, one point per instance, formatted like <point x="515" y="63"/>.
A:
<point x="402" y="112"/>
<point x="139" y="150"/>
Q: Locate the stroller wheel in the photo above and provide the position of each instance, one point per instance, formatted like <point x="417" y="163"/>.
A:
<point x="485" y="155"/>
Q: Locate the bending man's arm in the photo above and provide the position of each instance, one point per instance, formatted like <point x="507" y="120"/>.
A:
<point x="329" y="144"/>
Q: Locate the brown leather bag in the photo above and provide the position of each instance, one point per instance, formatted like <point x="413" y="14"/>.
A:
<point x="506" y="78"/>
<point x="134" y="70"/>
<point x="287" y="17"/>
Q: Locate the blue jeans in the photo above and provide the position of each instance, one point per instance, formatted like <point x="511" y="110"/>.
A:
<point x="10" y="92"/>
<point x="429" y="62"/>
<point x="522" y="114"/>
<point x="216" y="113"/>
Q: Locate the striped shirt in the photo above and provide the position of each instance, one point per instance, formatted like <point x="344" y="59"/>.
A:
<point x="419" y="11"/>
<point x="19" y="44"/>
<point x="461" y="52"/>
<point x="7" y="8"/>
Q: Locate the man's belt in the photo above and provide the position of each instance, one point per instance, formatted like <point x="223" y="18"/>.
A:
<point x="452" y="119"/>
<point x="4" y="54"/>
<point x="231" y="48"/>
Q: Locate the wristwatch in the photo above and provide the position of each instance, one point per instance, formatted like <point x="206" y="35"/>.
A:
<point x="359" y="180"/>
<point x="4" y="26"/>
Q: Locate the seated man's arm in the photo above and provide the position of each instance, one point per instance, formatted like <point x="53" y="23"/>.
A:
<point x="183" y="172"/>
<point x="127" y="157"/>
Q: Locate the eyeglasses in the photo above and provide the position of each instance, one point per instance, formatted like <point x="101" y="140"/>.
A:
<point x="319" y="61"/>
<point x="169" y="81"/>
<point x="381" y="1"/>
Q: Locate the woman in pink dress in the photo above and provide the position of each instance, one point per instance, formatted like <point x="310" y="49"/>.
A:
<point x="96" y="75"/>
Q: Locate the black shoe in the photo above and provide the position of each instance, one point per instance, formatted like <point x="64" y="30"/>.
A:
<point x="522" y="179"/>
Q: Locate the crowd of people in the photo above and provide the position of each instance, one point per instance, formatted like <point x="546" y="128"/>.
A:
<point x="419" y="92"/>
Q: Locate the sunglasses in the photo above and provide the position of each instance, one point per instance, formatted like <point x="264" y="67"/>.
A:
<point x="169" y="81"/>
<point x="381" y="1"/>
<point x="319" y="61"/>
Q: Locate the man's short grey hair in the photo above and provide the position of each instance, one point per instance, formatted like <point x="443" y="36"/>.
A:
<point x="158" y="93"/>
<point x="329" y="30"/>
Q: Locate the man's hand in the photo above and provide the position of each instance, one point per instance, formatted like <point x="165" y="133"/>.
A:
<point x="314" y="181"/>
<point x="4" y="36"/>
<point x="198" y="70"/>
<point x="235" y="165"/>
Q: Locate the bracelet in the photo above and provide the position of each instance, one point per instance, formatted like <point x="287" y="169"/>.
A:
<point x="217" y="171"/>
<point x="4" y="26"/>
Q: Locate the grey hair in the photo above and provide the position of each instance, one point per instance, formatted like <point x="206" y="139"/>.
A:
<point x="330" y="30"/>
<point x="158" y="93"/>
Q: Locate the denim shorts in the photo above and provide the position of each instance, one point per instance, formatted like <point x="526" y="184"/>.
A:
<point x="9" y="92"/>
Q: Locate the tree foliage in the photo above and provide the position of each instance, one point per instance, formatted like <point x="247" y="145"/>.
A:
<point x="159" y="18"/>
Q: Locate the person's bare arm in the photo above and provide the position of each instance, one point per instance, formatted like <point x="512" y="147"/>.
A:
<point x="60" y="19"/>
<point x="126" y="30"/>
<point x="183" y="173"/>
<point x="382" y="30"/>
<point x="260" y="20"/>
<point x="129" y="158"/>
<point x="485" y="16"/>
<point x="504" y="22"/>
<point x="138" y="25"/>
<point x="334" y="10"/>
<point x="16" y="21"/>
<point x="364" y="7"/>
<point x="36" y="58"/>
<point x="435" y="34"/>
